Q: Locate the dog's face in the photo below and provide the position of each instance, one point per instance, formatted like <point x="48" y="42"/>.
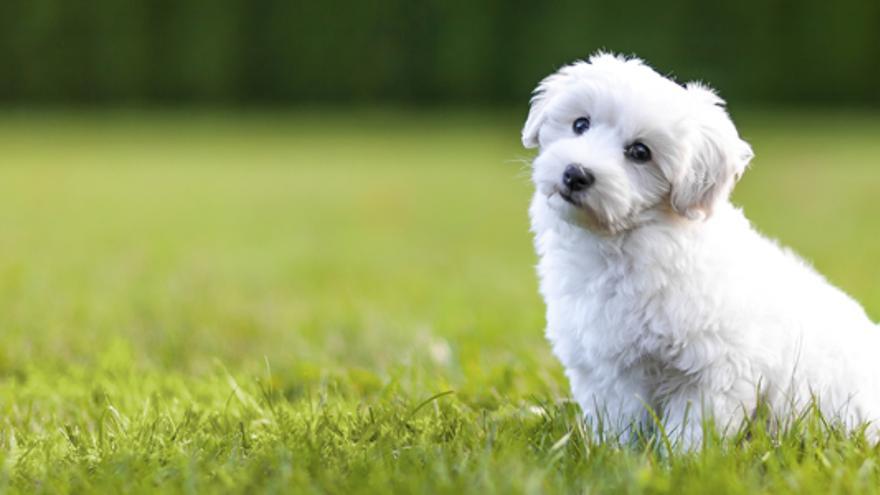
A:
<point x="621" y="145"/>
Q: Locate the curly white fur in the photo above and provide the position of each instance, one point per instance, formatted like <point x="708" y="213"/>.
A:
<point x="659" y="292"/>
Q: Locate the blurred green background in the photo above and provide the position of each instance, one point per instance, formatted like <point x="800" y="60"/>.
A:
<point x="235" y="52"/>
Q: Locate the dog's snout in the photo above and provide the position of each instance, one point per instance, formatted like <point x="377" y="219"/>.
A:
<point x="577" y="178"/>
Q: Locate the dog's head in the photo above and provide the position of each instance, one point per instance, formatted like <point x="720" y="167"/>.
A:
<point x="620" y="145"/>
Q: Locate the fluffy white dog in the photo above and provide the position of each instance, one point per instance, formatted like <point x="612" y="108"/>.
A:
<point x="660" y="295"/>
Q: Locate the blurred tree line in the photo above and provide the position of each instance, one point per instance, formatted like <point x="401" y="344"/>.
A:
<point x="490" y="51"/>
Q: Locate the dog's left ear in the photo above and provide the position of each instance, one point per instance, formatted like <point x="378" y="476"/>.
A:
<point x="538" y="109"/>
<point x="715" y="160"/>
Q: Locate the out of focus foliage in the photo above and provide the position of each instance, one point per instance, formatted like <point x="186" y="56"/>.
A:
<point x="283" y="51"/>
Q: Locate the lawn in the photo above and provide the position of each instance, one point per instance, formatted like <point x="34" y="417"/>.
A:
<point x="346" y="303"/>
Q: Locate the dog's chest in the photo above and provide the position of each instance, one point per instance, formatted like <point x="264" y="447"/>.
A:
<point x="604" y="307"/>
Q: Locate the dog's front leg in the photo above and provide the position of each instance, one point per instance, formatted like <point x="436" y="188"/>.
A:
<point x="700" y="408"/>
<point x="613" y="406"/>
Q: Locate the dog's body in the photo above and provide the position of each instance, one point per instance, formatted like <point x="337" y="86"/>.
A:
<point x="660" y="295"/>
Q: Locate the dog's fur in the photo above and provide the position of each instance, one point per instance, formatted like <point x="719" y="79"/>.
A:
<point x="660" y="295"/>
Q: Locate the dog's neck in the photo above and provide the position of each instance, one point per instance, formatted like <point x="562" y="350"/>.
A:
<point x="658" y="238"/>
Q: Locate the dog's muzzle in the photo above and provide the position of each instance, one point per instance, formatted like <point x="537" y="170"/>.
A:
<point x="575" y="179"/>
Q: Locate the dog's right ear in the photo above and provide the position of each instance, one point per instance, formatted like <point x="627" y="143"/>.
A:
<point x="537" y="112"/>
<point x="717" y="156"/>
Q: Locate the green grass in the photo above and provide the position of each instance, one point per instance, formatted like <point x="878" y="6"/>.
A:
<point x="347" y="304"/>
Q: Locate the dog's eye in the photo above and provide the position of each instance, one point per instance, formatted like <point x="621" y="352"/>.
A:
<point x="637" y="152"/>
<point x="581" y="125"/>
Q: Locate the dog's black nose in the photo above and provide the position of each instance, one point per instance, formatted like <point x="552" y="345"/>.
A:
<point x="577" y="178"/>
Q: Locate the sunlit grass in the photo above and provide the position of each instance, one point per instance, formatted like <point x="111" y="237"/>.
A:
<point x="242" y="302"/>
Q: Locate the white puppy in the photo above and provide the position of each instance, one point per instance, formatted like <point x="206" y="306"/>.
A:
<point x="660" y="294"/>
